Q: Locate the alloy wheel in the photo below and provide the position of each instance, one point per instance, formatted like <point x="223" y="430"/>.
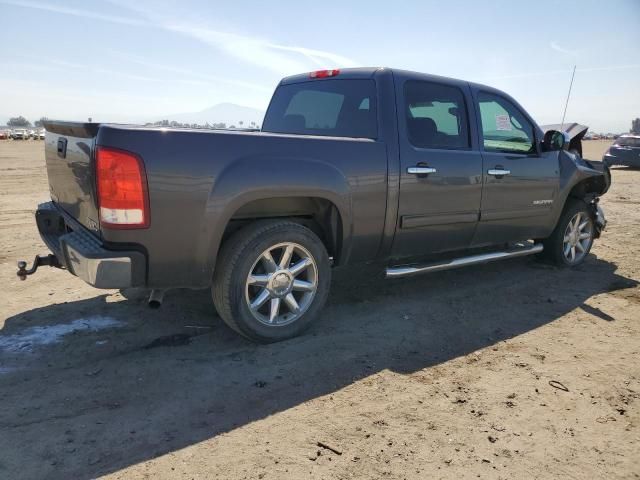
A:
<point x="281" y="284"/>
<point x="578" y="237"/>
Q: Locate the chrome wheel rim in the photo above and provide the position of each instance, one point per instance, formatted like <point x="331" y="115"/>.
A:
<point x="281" y="284"/>
<point x="577" y="238"/>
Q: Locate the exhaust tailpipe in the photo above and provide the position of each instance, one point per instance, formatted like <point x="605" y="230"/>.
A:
<point x="155" y="298"/>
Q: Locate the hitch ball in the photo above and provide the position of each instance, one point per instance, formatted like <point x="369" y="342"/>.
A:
<point x="22" y="270"/>
<point x="48" y="260"/>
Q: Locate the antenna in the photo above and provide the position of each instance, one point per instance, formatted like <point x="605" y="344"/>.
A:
<point x="567" y="102"/>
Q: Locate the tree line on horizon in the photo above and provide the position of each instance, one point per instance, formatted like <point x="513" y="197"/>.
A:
<point x="215" y="126"/>
<point x="20" y="121"/>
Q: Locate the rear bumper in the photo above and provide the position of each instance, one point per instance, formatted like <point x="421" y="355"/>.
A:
<point x="83" y="254"/>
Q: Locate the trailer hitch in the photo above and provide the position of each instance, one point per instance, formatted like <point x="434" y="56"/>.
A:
<point x="47" y="260"/>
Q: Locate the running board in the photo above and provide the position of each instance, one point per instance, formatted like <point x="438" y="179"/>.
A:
<point x="408" y="270"/>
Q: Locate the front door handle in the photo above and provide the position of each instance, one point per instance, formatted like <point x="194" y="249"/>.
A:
<point x="498" y="172"/>
<point x="417" y="170"/>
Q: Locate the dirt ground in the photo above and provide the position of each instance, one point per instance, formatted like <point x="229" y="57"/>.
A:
<point x="515" y="369"/>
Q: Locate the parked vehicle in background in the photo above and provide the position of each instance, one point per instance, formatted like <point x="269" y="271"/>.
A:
<point x="20" y="134"/>
<point x="41" y="134"/>
<point x="5" y="134"/>
<point x="624" y="151"/>
<point x="351" y="166"/>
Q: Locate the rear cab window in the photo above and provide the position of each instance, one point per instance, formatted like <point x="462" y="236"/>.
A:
<point x="335" y="107"/>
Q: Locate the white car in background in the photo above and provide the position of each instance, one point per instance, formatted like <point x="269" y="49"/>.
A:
<point x="19" y="134"/>
<point x="41" y="134"/>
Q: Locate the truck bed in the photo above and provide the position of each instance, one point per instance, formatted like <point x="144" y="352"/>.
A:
<point x="199" y="179"/>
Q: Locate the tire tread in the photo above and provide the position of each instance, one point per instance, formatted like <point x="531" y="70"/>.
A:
<point x="554" y="243"/>
<point x="230" y="255"/>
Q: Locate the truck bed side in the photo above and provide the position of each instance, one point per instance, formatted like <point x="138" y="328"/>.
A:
<point x="199" y="180"/>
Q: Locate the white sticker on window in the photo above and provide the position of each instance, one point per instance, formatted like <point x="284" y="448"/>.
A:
<point x="503" y="122"/>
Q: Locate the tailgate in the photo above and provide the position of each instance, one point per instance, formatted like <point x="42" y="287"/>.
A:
<point x="69" y="149"/>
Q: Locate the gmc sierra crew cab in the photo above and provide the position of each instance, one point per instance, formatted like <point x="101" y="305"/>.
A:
<point x="418" y="171"/>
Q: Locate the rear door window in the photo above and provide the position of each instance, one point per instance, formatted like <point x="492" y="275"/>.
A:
<point x="436" y="116"/>
<point x="339" y="108"/>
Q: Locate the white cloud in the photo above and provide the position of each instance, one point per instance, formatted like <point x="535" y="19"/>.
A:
<point x="567" y="71"/>
<point x="261" y="52"/>
<point x="318" y="56"/>
<point x="246" y="49"/>
<point x="282" y="59"/>
<point x="49" y="7"/>
<point x="554" y="45"/>
<point x="196" y="78"/>
<point x="606" y="68"/>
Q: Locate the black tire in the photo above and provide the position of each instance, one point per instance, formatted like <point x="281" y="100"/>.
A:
<point x="240" y="255"/>
<point x="554" y="245"/>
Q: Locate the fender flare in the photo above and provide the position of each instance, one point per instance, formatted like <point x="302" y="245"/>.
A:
<point x="246" y="180"/>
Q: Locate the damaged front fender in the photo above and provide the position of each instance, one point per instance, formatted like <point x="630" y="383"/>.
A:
<point x="584" y="180"/>
<point x="579" y="177"/>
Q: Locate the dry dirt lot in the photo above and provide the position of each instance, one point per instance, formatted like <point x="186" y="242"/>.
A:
<point x="443" y="376"/>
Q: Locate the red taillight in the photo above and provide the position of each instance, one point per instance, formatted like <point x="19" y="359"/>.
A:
<point x="122" y="189"/>
<point x="324" y="73"/>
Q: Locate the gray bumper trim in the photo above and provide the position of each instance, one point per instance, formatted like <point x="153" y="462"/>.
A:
<point x="110" y="272"/>
<point x="83" y="255"/>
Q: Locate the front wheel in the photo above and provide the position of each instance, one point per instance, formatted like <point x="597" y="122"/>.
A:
<point x="272" y="280"/>
<point x="572" y="239"/>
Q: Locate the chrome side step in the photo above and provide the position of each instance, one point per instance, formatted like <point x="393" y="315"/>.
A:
<point x="408" y="270"/>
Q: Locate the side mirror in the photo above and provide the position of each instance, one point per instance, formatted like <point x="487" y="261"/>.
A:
<point x="555" y="140"/>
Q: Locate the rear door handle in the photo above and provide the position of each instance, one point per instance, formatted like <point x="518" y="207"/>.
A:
<point x="498" y="172"/>
<point x="421" y="170"/>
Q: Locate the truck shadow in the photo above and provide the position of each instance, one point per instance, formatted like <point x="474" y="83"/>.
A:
<point x="100" y="401"/>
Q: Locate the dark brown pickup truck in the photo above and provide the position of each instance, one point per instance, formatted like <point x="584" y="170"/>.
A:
<point x="422" y="172"/>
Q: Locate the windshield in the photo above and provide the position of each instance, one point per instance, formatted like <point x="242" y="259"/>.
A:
<point x="338" y="108"/>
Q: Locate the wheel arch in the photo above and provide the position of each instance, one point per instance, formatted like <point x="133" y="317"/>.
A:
<point x="319" y="214"/>
<point x="310" y="192"/>
<point x="587" y="188"/>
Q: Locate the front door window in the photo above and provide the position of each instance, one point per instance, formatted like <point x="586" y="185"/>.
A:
<point x="504" y="127"/>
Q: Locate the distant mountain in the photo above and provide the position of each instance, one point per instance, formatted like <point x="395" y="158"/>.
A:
<point x="229" y="113"/>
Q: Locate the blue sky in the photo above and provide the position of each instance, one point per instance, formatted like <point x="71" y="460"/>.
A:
<point x="124" y="60"/>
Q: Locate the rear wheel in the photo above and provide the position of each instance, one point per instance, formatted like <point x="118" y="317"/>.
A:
<point x="272" y="280"/>
<point x="572" y="239"/>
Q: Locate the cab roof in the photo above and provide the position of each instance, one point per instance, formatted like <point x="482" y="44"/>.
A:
<point x="370" y="72"/>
